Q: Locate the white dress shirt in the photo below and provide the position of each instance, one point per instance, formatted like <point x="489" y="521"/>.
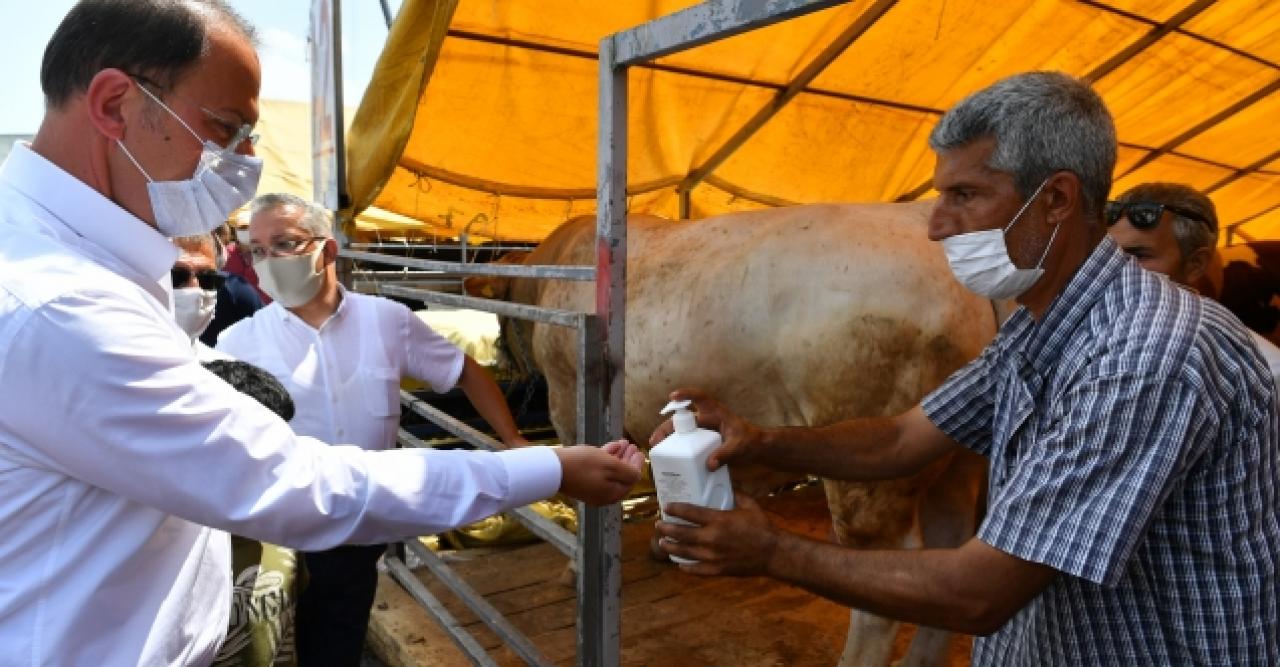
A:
<point x="117" y="448"/>
<point x="344" y="377"/>
<point x="1270" y="354"/>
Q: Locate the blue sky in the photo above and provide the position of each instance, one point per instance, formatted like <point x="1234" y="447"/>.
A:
<point x="282" y="25"/>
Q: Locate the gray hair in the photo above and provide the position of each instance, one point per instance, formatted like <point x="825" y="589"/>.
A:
<point x="1042" y="122"/>
<point x="315" y="218"/>
<point x="1191" y="234"/>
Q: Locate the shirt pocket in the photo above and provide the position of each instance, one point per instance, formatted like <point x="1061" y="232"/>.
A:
<point x="382" y="392"/>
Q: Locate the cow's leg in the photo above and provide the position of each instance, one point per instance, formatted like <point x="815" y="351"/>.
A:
<point x="947" y="513"/>
<point x="872" y="516"/>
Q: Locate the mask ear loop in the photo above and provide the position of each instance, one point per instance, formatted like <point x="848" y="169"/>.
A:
<point x="135" y="162"/>
<point x="171" y="113"/>
<point x="1025" y="204"/>
<point x="1049" y="245"/>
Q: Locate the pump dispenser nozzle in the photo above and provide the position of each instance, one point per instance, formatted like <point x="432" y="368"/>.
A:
<point x="683" y="420"/>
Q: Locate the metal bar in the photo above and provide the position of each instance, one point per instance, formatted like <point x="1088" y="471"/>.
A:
<point x="437" y="246"/>
<point x="599" y="555"/>
<point x="520" y="191"/>
<point x="1255" y="167"/>
<point x="564" y="318"/>
<point x="487" y="614"/>
<point x="386" y="13"/>
<point x="1143" y="43"/>
<point x="539" y="525"/>
<point x="477" y="269"/>
<point x="749" y="195"/>
<point x="688" y="71"/>
<point x="461" y="638"/>
<point x="1204" y="126"/>
<point x="706" y="22"/>
<point x="816" y="67"/>
<point x="601" y="348"/>
<point x="548" y="530"/>
<point x="407" y="439"/>
<point x="1185" y="33"/>
<point x="339" y="123"/>
<point x="450" y="423"/>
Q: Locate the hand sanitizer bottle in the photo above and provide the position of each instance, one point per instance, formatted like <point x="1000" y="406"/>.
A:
<point x="680" y="467"/>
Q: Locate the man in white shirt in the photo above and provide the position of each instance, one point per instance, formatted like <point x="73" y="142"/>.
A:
<point x="122" y="460"/>
<point x="341" y="355"/>
<point x="1171" y="228"/>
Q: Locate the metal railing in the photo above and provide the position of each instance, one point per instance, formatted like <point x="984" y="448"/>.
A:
<point x="595" y="550"/>
<point x="597" y="546"/>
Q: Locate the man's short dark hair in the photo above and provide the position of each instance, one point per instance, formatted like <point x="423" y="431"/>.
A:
<point x="156" y="39"/>
<point x="255" y="383"/>
<point x="1192" y="235"/>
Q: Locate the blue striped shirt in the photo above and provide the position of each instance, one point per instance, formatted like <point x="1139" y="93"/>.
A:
<point x="1132" y="439"/>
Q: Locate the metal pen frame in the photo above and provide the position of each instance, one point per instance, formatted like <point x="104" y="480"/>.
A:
<point x="596" y="549"/>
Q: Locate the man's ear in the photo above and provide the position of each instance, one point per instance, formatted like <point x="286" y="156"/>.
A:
<point x="1061" y="197"/>
<point x="104" y="102"/>
<point x="330" y="251"/>
<point x="1193" y="266"/>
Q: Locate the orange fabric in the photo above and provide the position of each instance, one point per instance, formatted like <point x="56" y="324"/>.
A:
<point x="503" y="138"/>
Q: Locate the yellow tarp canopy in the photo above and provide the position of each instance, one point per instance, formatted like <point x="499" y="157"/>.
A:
<point x="284" y="128"/>
<point x="482" y="113"/>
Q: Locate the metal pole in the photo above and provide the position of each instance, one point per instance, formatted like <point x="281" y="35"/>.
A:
<point x="600" y="562"/>
<point x="339" y="125"/>
<point x="386" y="13"/>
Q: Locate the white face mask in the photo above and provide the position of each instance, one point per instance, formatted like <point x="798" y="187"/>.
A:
<point x="223" y="181"/>
<point x="242" y="237"/>
<point x="980" y="260"/>
<point x="193" y="309"/>
<point x="294" y="280"/>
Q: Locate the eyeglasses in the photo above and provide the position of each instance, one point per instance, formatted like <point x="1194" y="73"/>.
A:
<point x="208" y="279"/>
<point x="282" y="248"/>
<point x="239" y="132"/>
<point x="1147" y="214"/>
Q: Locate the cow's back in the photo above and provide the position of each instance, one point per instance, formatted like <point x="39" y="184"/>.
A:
<point x="800" y="315"/>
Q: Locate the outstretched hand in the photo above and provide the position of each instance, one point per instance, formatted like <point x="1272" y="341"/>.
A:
<point x="600" y="475"/>
<point x="738" y="434"/>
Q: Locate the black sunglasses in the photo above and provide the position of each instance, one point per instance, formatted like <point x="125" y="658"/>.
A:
<point x="1146" y="214"/>
<point x="207" y="279"/>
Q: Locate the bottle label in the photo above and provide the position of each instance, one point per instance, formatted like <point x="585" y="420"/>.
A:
<point x="673" y="488"/>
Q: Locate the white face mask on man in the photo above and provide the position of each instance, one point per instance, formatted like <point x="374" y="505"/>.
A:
<point x="980" y="260"/>
<point x="193" y="309"/>
<point x="292" y="280"/>
<point x="223" y="181"/>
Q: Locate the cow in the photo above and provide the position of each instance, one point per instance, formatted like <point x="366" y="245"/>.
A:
<point x="801" y="315"/>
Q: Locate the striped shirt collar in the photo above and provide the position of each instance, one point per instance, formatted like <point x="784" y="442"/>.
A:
<point x="1042" y="342"/>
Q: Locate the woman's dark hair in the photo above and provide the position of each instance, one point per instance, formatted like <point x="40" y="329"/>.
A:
<point x="155" y="39"/>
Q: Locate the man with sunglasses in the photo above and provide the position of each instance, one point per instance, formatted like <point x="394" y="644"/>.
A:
<point x="196" y="282"/>
<point x="1130" y="428"/>
<point x="342" y="355"/>
<point x="1172" y="229"/>
<point x="123" y="462"/>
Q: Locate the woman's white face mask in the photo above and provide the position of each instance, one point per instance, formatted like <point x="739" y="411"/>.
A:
<point x="980" y="260"/>
<point x="293" y="280"/>
<point x="193" y="309"/>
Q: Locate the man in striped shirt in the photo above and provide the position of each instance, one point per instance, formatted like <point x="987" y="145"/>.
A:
<point x="1132" y="514"/>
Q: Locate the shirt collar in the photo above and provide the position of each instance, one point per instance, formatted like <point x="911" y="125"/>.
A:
<point x="1051" y="335"/>
<point x="90" y="215"/>
<point x="343" y="297"/>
